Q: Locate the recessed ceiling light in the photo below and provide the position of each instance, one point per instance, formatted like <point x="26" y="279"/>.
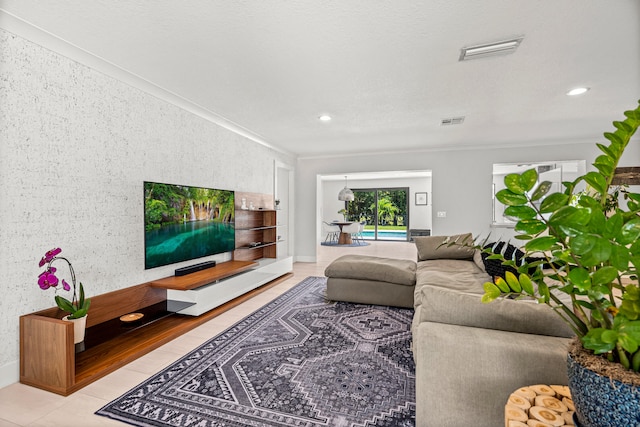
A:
<point x="577" y="91"/>
<point x="324" y="118"/>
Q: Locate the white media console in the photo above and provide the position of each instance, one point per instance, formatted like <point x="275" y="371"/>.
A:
<point x="214" y="294"/>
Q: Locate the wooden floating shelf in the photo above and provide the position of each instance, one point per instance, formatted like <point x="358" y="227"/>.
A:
<point x="49" y="359"/>
<point x="204" y="277"/>
<point x="268" y="227"/>
<point x="257" y="246"/>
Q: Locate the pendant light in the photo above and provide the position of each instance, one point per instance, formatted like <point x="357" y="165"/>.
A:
<point x="345" y="195"/>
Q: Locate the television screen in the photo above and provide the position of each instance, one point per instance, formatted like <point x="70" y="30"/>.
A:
<point x="183" y="223"/>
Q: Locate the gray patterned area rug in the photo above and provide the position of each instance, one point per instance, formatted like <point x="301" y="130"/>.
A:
<point x="298" y="361"/>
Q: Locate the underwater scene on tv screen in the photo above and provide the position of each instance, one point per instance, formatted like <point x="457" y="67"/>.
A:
<point x="183" y="223"/>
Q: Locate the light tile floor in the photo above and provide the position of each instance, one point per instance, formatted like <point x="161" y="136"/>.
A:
<point x="21" y="405"/>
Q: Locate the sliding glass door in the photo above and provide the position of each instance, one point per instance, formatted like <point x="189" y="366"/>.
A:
<point x="385" y="212"/>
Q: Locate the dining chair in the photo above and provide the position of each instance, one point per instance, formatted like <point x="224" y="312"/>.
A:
<point x="360" y="236"/>
<point x="331" y="231"/>
<point x="352" y="229"/>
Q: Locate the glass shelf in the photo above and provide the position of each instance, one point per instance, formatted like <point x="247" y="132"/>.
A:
<point x="257" y="246"/>
<point x="105" y="331"/>
<point x="266" y="227"/>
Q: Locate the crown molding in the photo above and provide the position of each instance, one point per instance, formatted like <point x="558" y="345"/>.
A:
<point x="439" y="149"/>
<point x="42" y="37"/>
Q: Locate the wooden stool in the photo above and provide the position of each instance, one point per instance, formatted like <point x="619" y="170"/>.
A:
<point x="539" y="406"/>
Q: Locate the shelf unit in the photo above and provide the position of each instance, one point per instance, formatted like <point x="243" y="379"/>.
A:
<point x="256" y="229"/>
<point x="255" y="226"/>
<point x="49" y="359"/>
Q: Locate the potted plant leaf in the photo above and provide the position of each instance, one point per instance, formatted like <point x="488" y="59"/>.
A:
<point x="582" y="256"/>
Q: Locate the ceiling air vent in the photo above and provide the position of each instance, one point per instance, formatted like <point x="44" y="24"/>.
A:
<point x="452" y="121"/>
<point x="490" y="49"/>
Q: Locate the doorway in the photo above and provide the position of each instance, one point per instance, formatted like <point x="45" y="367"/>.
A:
<point x="283" y="193"/>
<point x="329" y="208"/>
<point x="385" y="212"/>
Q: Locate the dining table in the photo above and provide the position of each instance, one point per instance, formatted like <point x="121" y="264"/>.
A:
<point x="343" y="238"/>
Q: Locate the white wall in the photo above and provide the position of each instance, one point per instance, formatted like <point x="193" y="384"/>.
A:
<point x="461" y="181"/>
<point x="75" y="147"/>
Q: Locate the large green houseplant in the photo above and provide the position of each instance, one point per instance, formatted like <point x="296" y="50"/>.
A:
<point x="576" y="243"/>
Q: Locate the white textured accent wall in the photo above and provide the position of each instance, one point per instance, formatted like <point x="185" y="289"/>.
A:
<point x="75" y="148"/>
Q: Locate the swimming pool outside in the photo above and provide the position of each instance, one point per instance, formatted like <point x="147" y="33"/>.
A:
<point x="386" y="234"/>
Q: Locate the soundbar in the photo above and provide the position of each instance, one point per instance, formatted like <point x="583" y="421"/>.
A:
<point x="193" y="268"/>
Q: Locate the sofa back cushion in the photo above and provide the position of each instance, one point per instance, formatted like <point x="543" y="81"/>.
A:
<point x="437" y="247"/>
<point x="460" y="304"/>
<point x="458" y="274"/>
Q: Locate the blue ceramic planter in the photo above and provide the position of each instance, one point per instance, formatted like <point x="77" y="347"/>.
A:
<point x="601" y="401"/>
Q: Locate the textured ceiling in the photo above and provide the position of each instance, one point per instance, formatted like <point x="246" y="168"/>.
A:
<point x="386" y="71"/>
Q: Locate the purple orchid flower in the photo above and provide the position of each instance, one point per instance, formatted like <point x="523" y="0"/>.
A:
<point x="49" y="255"/>
<point x="78" y="305"/>
<point x="47" y="280"/>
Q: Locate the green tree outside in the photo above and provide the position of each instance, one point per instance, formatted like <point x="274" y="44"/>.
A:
<point x="391" y="207"/>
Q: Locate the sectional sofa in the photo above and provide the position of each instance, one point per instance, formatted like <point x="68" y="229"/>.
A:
<point x="469" y="356"/>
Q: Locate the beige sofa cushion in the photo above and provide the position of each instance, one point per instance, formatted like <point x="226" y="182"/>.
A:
<point x="398" y="271"/>
<point x="431" y="247"/>
<point x="369" y="292"/>
<point x="464" y="375"/>
<point x="448" y="273"/>
<point x="457" y="301"/>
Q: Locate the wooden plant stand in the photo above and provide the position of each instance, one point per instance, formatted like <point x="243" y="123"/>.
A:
<point x="539" y="406"/>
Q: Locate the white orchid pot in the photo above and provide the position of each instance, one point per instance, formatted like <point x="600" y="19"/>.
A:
<point x="79" y="326"/>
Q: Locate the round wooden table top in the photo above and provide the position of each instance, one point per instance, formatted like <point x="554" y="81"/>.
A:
<point x="539" y="406"/>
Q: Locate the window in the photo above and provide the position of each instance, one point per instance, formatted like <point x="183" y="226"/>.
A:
<point x="555" y="172"/>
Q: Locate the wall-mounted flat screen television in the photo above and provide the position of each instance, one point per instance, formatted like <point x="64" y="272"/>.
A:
<point x="183" y="223"/>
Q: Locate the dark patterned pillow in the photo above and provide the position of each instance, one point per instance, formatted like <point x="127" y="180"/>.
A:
<point x="494" y="267"/>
